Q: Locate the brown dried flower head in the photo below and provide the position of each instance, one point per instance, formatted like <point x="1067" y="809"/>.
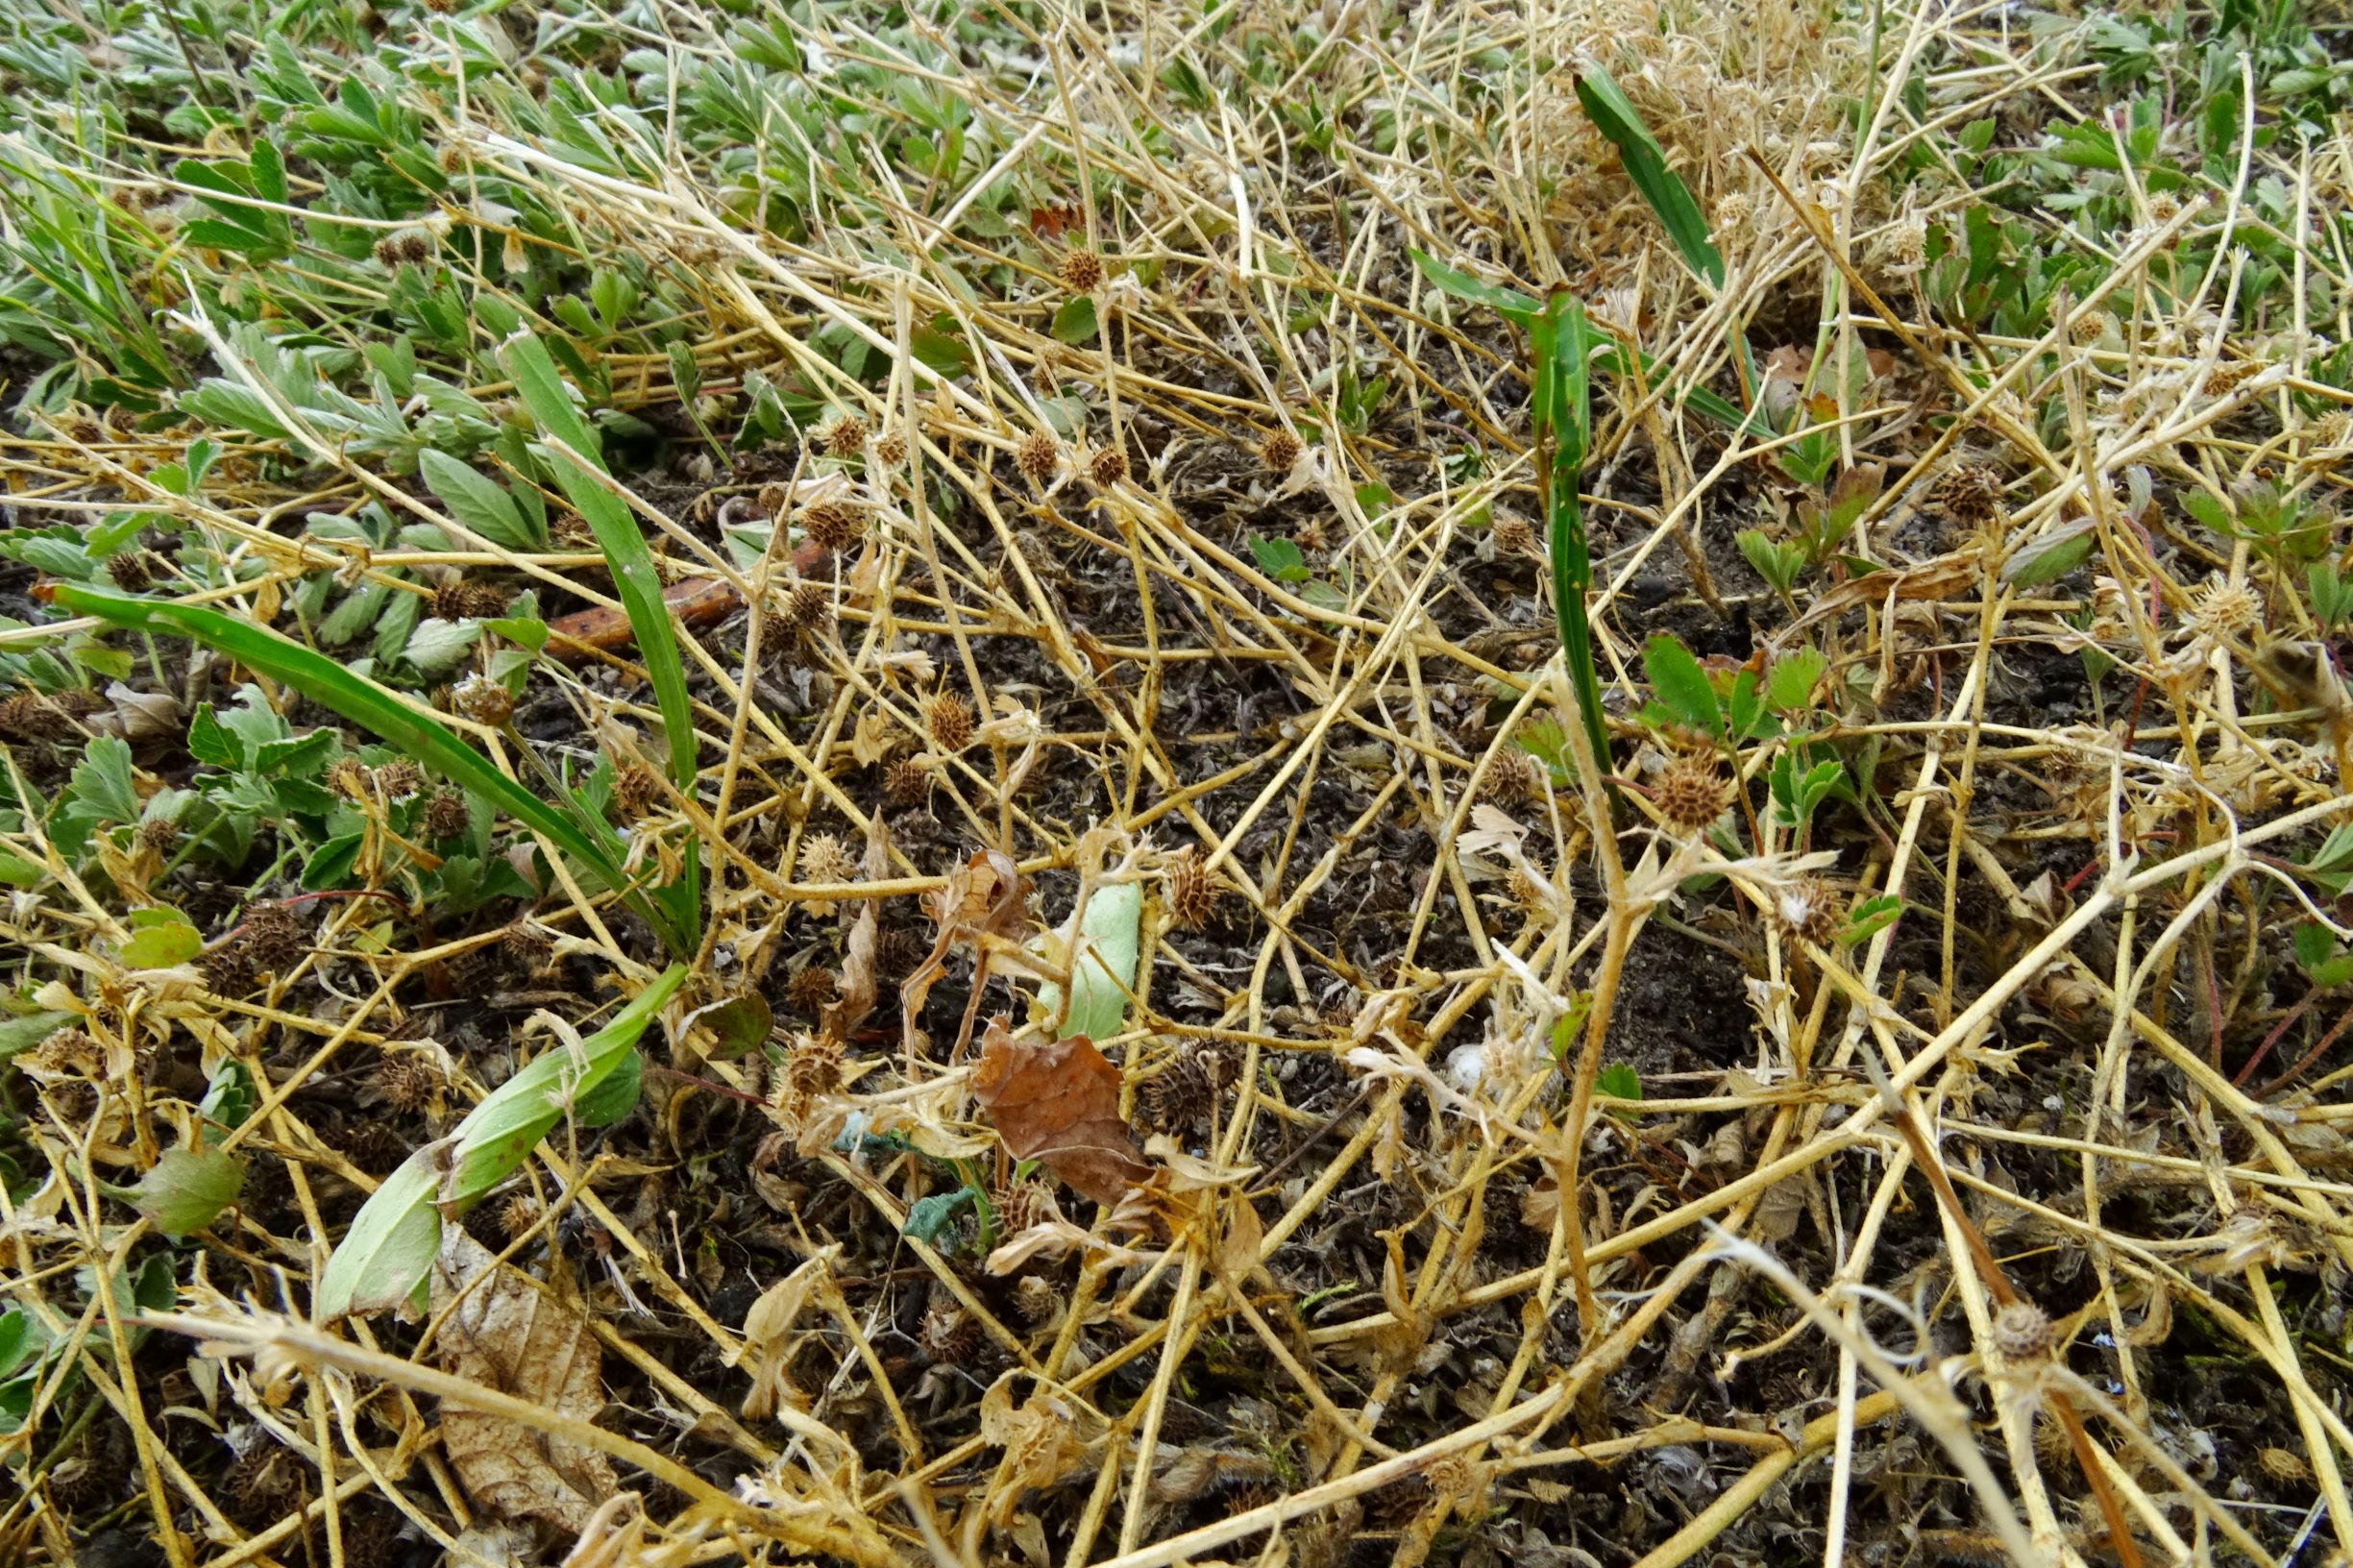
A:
<point x="518" y="1214"/>
<point x="484" y="701"/>
<point x="1807" y="909"/>
<point x="1038" y="457"/>
<point x="2023" y="1332"/>
<point x="635" y="791"/>
<point x="1082" y="271"/>
<point x="409" y="1082"/>
<point x="811" y="990"/>
<point x="525" y="945"/>
<point x="832" y="524"/>
<point x="400" y="778"/>
<point x="949" y="718"/>
<point x="1036" y="1298"/>
<point x="1279" y="451"/>
<point x="823" y="859"/>
<point x="1107" y="466"/>
<point x="809" y="608"/>
<point x="1970" y="493"/>
<point x="1190" y="889"/>
<point x="1514" y="536"/>
<point x="813" y="1067"/>
<point x="1690" y="792"/>
<point x="444" y="814"/>
<point x="845" y="436"/>
<point x="159" y="834"/>
<point x="131" y="572"/>
<point x="274" y="937"/>
<point x="906" y="780"/>
<point x="463" y="600"/>
<point x="1510" y="778"/>
<point x="949" y="1334"/>
<point x="890" y="450"/>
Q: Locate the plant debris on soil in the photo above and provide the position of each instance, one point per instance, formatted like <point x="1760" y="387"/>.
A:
<point x="793" y="781"/>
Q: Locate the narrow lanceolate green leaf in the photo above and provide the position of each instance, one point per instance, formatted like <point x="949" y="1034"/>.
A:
<point x="478" y="503"/>
<point x="1614" y="115"/>
<point x="392" y="1241"/>
<point x="580" y="468"/>
<point x="415" y="733"/>
<point x="1561" y="345"/>
<point x="1508" y="301"/>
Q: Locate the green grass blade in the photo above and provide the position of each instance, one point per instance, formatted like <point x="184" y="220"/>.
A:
<point x="1614" y="115"/>
<point x="1563" y="345"/>
<point x="579" y="470"/>
<point x="393" y="1239"/>
<point x="418" y="735"/>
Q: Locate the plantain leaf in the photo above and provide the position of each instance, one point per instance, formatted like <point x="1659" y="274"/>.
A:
<point x="382" y="1258"/>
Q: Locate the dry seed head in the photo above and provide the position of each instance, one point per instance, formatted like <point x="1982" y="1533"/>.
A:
<point x="950" y="1334"/>
<point x="824" y="860"/>
<point x="1970" y="493"/>
<point x="832" y="524"/>
<point x="2164" y="207"/>
<point x="1511" y="778"/>
<point x="1514" y="536"/>
<point x="350" y="778"/>
<point x="905" y="781"/>
<point x="901" y="950"/>
<point x="463" y="600"/>
<point x="524" y="945"/>
<point x="635" y="791"/>
<point x="845" y="436"/>
<point x="2221" y="608"/>
<point x="159" y="834"/>
<point x="262" y="1484"/>
<point x="2023" y="1332"/>
<point x="2284" y="1465"/>
<point x="811" y="990"/>
<point x="1905" y="245"/>
<point x="1279" y="451"/>
<point x="56" y="716"/>
<point x="274" y="937"/>
<point x="890" y="449"/>
<point x="409" y="1082"/>
<point x="773" y="499"/>
<point x="2224" y="377"/>
<point x="445" y="815"/>
<point x="1082" y="271"/>
<point x="1733" y="210"/>
<point x="2087" y="327"/>
<point x="484" y="701"/>
<point x="518" y="1214"/>
<point x="2333" y="432"/>
<point x="1038" y="456"/>
<point x="131" y="572"/>
<point x="228" y="971"/>
<point x="450" y="157"/>
<point x="1179" y="1096"/>
<point x="809" y="608"/>
<point x="1107" y="466"/>
<point x="813" y="1067"/>
<point x="400" y="778"/>
<point x="1190" y="889"/>
<point x="1807" y="909"/>
<point x="1690" y="792"/>
<point x="1035" y="1297"/>
<point x="949" y="718"/>
<point x="1025" y="1203"/>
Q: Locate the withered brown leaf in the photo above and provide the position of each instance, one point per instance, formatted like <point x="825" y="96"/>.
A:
<point x="854" y="997"/>
<point x="508" y="1335"/>
<point x="1058" y="1105"/>
<point x="985" y="897"/>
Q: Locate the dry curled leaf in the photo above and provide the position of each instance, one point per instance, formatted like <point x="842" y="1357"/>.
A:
<point x="770" y="1331"/>
<point x="1058" y="1105"/>
<point x="854" y="996"/>
<point x="985" y="897"/>
<point x="510" y="1336"/>
<point x="1039" y="1438"/>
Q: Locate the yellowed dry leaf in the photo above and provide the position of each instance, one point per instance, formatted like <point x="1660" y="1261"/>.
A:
<point x="870" y="742"/>
<point x="986" y="896"/>
<point x="1058" y="1105"/>
<point x="1041" y="1440"/>
<point x="855" y="998"/>
<point x="769" y="1336"/>
<point x="510" y="1336"/>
